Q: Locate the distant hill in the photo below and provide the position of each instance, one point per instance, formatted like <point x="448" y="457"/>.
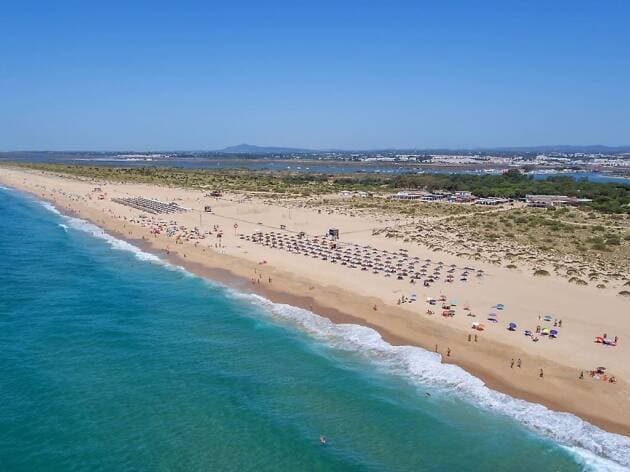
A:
<point x="252" y="149"/>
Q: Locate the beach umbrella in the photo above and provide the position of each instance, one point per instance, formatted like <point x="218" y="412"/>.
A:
<point x="512" y="326"/>
<point x="553" y="333"/>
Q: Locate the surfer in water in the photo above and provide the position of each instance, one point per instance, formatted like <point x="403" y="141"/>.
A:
<point x="323" y="441"/>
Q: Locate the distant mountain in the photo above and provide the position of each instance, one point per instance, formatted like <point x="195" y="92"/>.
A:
<point x="252" y="149"/>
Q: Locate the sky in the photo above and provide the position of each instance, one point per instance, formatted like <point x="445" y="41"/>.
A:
<point x="201" y="75"/>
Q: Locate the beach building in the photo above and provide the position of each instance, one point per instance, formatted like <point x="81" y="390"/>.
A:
<point x="548" y="201"/>
<point x="492" y="201"/>
<point x="432" y="197"/>
<point x="461" y="197"/>
<point x="408" y="196"/>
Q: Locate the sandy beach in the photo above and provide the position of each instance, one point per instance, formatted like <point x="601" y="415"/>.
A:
<point x="238" y="243"/>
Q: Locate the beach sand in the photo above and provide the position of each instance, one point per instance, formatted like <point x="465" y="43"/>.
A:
<point x="348" y="295"/>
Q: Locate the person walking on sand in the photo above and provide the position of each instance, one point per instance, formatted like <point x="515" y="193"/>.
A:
<point x="541" y="374"/>
<point x="448" y="352"/>
<point x="469" y="337"/>
<point x="518" y="363"/>
<point x="581" y="375"/>
<point x="475" y="338"/>
<point x="512" y="364"/>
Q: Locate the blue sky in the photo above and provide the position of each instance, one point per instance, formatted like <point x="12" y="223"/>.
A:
<point x="78" y="75"/>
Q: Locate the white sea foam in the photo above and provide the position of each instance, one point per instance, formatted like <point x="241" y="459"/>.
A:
<point x="49" y="207"/>
<point x="114" y="243"/>
<point x="592" y="447"/>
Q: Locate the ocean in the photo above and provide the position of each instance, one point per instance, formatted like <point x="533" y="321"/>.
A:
<point x="113" y="359"/>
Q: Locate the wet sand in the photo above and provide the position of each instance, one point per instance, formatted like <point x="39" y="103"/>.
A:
<point x="605" y="405"/>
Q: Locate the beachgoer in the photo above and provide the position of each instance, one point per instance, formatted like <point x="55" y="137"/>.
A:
<point x="512" y="364"/>
<point x="475" y="338"/>
<point x="518" y="363"/>
<point x="582" y="375"/>
<point x="448" y="352"/>
<point x="322" y="440"/>
<point x="541" y="374"/>
<point x="436" y="348"/>
<point x="559" y="323"/>
<point x="469" y="337"/>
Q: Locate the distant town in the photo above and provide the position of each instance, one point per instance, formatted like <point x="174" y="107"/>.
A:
<point x="553" y="160"/>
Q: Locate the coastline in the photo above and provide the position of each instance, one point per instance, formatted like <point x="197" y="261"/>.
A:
<point x="341" y="306"/>
<point x="337" y="316"/>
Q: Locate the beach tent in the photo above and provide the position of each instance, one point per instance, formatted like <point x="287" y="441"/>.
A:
<point x="553" y="333"/>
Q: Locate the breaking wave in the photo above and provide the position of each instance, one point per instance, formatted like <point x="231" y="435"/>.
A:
<point x="591" y="446"/>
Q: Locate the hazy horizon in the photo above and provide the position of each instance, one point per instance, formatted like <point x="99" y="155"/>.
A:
<point x="624" y="147"/>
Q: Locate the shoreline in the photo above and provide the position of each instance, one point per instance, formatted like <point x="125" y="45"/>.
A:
<point x="491" y="380"/>
<point x="480" y="362"/>
<point x="234" y="281"/>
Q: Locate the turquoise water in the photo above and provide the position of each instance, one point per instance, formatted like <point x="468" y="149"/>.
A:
<point x="113" y="360"/>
